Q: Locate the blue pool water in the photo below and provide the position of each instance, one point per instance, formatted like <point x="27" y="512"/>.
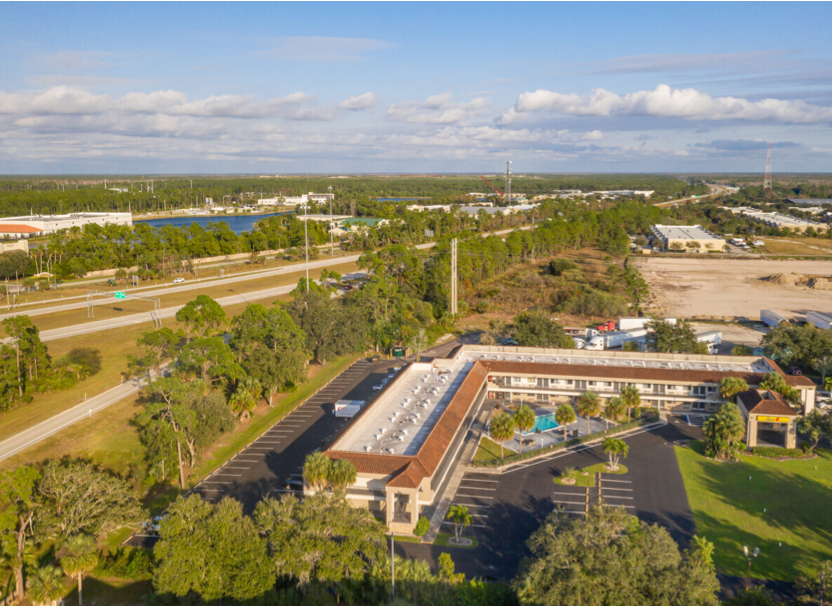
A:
<point x="543" y="423"/>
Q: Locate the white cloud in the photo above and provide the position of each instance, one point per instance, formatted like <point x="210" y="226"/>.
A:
<point x="365" y="101"/>
<point x="322" y="48"/>
<point x="438" y="109"/>
<point x="667" y="102"/>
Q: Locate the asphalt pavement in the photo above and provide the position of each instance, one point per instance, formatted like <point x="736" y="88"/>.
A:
<point x="508" y="507"/>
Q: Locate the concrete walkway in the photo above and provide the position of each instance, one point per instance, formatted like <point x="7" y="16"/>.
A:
<point x="31" y="436"/>
<point x="448" y="490"/>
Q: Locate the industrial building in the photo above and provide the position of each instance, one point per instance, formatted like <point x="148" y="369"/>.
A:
<point x="781" y="221"/>
<point x="693" y="238"/>
<point x="43" y="225"/>
<point x="296" y="200"/>
<point x="407" y="442"/>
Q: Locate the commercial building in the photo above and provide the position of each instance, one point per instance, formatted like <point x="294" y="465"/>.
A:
<point x="406" y="443"/>
<point x="18" y="246"/>
<point x="770" y="419"/>
<point x="419" y="208"/>
<point x="781" y="221"/>
<point x="295" y="200"/>
<point x="693" y="238"/>
<point x="43" y="225"/>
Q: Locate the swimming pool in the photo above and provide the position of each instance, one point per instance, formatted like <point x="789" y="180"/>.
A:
<point x="543" y="423"/>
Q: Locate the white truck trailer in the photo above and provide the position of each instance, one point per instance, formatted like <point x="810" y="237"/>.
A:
<point x="819" y="319"/>
<point x="770" y="318"/>
<point x="713" y="338"/>
<point x="610" y="340"/>
<point x="633" y="323"/>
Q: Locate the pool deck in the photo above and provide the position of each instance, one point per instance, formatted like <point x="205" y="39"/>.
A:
<point x="555" y="436"/>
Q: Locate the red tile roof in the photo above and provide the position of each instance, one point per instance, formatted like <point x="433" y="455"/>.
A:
<point x="15" y="228"/>
<point x="760" y="402"/>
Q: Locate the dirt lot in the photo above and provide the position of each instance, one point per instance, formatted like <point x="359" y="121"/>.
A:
<point x="728" y="289"/>
<point x="733" y="334"/>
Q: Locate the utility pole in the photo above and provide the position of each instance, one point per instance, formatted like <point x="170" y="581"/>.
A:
<point x="331" y="227"/>
<point x="453" y="276"/>
<point x="306" y="237"/>
<point x="508" y="182"/>
<point x="393" y="564"/>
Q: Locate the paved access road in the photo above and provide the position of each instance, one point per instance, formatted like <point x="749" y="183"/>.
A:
<point x="508" y="507"/>
<point x="86" y="409"/>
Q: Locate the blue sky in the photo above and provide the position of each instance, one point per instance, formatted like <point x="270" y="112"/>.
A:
<point x="276" y="88"/>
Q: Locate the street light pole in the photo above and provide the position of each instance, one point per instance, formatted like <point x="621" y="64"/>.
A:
<point x="749" y="557"/>
<point x="393" y="564"/>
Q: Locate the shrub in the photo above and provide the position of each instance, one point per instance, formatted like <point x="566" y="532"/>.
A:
<point x="422" y="527"/>
<point x="558" y="266"/>
<point x="777" y="453"/>
<point x="132" y="563"/>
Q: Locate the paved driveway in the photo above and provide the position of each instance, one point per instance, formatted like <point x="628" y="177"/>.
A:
<point x="507" y="508"/>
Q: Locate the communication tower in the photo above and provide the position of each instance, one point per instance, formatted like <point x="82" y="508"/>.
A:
<point x="508" y="182"/>
<point x="767" y="179"/>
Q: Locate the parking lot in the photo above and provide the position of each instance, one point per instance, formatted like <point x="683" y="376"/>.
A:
<point x="506" y="508"/>
<point x="276" y="458"/>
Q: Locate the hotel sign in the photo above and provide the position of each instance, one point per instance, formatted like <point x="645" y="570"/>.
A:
<point x="773" y="419"/>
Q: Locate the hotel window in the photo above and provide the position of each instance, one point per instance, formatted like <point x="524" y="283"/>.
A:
<point x="542" y="397"/>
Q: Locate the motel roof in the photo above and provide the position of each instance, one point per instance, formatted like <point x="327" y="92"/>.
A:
<point x="762" y="402"/>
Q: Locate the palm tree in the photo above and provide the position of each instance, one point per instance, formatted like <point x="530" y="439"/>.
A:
<point x="615" y="449"/>
<point x="524" y="420"/>
<point x="565" y="415"/>
<point x="415" y="573"/>
<point x="81" y="558"/>
<point x="614" y="408"/>
<point x="631" y="397"/>
<point x="46" y="585"/>
<point x="245" y="398"/>
<point x="731" y="386"/>
<point x="342" y="474"/>
<point x="502" y="429"/>
<point x="316" y="470"/>
<point x="589" y="405"/>
<point x="458" y="514"/>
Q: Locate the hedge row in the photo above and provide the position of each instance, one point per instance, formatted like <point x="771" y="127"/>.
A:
<point x="779" y="453"/>
<point x="516" y="458"/>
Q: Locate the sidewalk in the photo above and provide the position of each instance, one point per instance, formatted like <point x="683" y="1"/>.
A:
<point x="448" y="491"/>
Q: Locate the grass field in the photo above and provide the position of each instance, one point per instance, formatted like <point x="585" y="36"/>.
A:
<point x="796" y="245"/>
<point x="785" y="509"/>
<point x="588" y="481"/>
<point x="489" y="450"/>
<point x="114" y="345"/>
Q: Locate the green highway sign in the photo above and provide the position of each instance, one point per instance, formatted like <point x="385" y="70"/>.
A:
<point x="120" y="295"/>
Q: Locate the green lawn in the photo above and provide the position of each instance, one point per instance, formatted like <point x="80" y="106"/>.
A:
<point x="443" y="537"/>
<point x="785" y="509"/>
<point x="588" y="481"/>
<point x="489" y="450"/>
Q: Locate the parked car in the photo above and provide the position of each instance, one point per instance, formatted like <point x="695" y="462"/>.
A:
<point x="794" y="370"/>
<point x="178" y="280"/>
<point x="293" y="483"/>
<point x="825" y="395"/>
<point x="346" y="287"/>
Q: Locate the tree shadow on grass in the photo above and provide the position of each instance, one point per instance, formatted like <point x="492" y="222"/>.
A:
<point x="111" y="593"/>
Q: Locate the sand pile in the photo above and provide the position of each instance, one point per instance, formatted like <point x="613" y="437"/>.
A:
<point x="815" y="282"/>
<point x="782" y="279"/>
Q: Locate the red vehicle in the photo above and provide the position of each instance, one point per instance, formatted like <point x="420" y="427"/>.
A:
<point x="794" y="370"/>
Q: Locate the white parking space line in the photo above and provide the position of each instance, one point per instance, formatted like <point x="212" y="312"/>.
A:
<point x="260" y="448"/>
<point x="568" y="503"/>
<point x="207" y="488"/>
<point x="570" y="494"/>
<point x="229" y="467"/>
<point x="613" y="496"/>
<point x="473" y="496"/>
<point x="619" y="481"/>
<point x="473" y="506"/>
<point x="222" y="473"/>
<point x="621" y="506"/>
<point x="619" y="489"/>
<point x="215" y="482"/>
<point x="247" y="461"/>
<point x="479" y="480"/>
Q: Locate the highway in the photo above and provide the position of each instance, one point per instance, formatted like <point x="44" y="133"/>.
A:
<point x="719" y="190"/>
<point x="85" y="410"/>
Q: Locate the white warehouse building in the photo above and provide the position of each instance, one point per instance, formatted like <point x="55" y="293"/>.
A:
<point x="43" y="225"/>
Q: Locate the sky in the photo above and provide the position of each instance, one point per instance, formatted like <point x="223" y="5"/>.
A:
<point x="283" y="88"/>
